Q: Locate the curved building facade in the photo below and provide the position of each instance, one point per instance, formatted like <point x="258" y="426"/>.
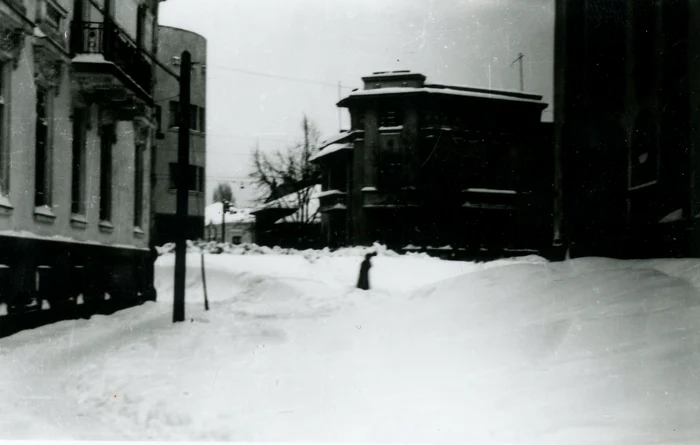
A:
<point x="172" y="42"/>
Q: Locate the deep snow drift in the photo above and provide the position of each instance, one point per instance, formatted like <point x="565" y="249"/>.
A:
<point x="512" y="351"/>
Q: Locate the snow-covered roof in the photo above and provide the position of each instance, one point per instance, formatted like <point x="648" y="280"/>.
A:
<point x="501" y="192"/>
<point x="447" y="91"/>
<point x="340" y="138"/>
<point x="331" y="149"/>
<point x="336" y="207"/>
<point x="212" y="215"/>
<point x="330" y="193"/>
<point x="676" y="215"/>
<point x="291" y="201"/>
<point x="89" y="58"/>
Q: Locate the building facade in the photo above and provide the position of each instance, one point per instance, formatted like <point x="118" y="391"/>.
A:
<point x="291" y="221"/>
<point x="435" y="165"/>
<point x="627" y="119"/>
<point x="172" y="42"/>
<point x="238" y="229"/>
<point x="76" y="121"/>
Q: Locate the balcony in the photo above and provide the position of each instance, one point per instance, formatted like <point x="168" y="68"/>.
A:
<point x="332" y="201"/>
<point x="405" y="197"/>
<point x="490" y="199"/>
<point x="109" y="68"/>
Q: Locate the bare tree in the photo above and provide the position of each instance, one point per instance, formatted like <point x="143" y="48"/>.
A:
<point x="289" y="172"/>
<point x="224" y="192"/>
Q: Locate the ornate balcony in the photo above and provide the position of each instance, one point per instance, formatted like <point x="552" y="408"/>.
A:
<point x="110" y="69"/>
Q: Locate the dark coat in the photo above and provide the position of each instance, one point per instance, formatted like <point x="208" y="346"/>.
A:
<point x="363" y="281"/>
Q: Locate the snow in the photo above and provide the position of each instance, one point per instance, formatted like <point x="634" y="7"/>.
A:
<point x="212" y="215"/>
<point x="339" y="138"/>
<point x="674" y="216"/>
<point x="513" y="351"/>
<point x="449" y="91"/>
<point x="335" y="207"/>
<point x="89" y="58"/>
<point x="291" y="201"/>
<point x="503" y="192"/>
<point x="5" y="202"/>
<point x="63" y="238"/>
<point x="330" y="193"/>
<point x="500" y="90"/>
<point x="331" y="149"/>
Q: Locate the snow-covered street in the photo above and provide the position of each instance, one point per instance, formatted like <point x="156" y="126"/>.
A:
<point x="512" y="351"/>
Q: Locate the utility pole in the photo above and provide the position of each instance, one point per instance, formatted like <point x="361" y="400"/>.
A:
<point x="225" y="206"/>
<point x="520" y="60"/>
<point x="183" y="161"/>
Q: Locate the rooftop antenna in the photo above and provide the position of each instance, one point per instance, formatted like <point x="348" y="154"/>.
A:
<point x="340" y="119"/>
<point x="520" y="59"/>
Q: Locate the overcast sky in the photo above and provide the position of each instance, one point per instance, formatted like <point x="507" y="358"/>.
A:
<point x="465" y="42"/>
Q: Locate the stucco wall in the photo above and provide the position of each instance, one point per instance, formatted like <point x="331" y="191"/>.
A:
<point x="172" y="42"/>
<point x="21" y="139"/>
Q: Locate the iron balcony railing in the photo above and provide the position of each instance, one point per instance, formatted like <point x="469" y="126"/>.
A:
<point x="116" y="46"/>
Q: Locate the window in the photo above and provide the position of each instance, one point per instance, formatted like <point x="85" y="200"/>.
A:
<point x="390" y="117"/>
<point x="141" y="26"/>
<point x="4" y="145"/>
<point x="237" y="239"/>
<point x="138" y="185"/>
<point x="159" y="119"/>
<point x="195" y="180"/>
<point x="78" y="167"/>
<point x="53" y="16"/>
<point x="390" y="171"/>
<point x="174" y="114"/>
<point x="194" y="119"/>
<point x="106" y="141"/>
<point x="42" y="160"/>
<point x="197" y="118"/>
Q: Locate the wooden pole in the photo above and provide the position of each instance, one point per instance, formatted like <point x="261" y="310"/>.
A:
<point x="183" y="161"/>
<point x="204" y="285"/>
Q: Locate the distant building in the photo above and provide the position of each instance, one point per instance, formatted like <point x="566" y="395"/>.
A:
<point x="434" y="165"/>
<point x="627" y="113"/>
<point x="172" y="43"/>
<point x="239" y="227"/>
<point x="290" y="221"/>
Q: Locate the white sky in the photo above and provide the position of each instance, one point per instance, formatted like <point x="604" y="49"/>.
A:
<point x="450" y="41"/>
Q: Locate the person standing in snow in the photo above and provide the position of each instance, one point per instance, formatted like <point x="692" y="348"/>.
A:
<point x="363" y="281"/>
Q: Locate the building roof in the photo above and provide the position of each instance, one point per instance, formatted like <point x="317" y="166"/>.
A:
<point x="288" y="207"/>
<point x="333" y="148"/>
<point x="445" y="90"/>
<point x="212" y="215"/>
<point x="339" y="142"/>
<point x="392" y="75"/>
<point x="341" y="137"/>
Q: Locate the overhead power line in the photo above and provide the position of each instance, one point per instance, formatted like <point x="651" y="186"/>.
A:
<point x="277" y="76"/>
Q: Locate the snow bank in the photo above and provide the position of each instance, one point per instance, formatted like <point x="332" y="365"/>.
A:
<point x="512" y="351"/>
<point x="253" y="249"/>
